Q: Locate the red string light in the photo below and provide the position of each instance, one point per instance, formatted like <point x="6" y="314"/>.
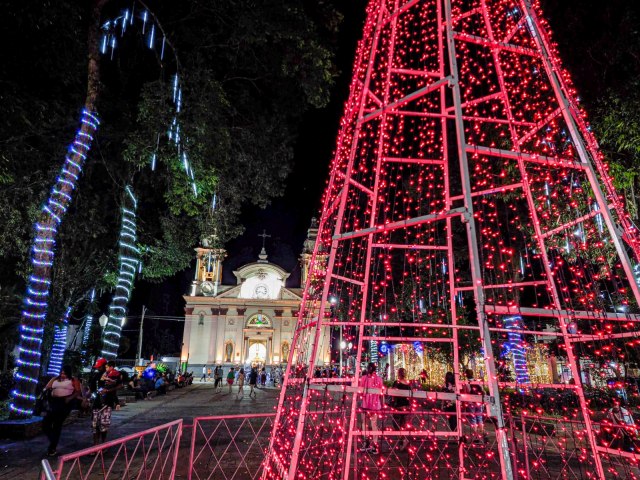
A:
<point x="465" y="189"/>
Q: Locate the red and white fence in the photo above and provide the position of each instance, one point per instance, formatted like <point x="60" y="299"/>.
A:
<point x="229" y="447"/>
<point x="148" y="455"/>
<point x="232" y="447"/>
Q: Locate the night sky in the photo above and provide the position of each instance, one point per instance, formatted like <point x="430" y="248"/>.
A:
<point x="577" y="26"/>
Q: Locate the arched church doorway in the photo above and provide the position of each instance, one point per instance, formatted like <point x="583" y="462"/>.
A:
<point x="257" y="352"/>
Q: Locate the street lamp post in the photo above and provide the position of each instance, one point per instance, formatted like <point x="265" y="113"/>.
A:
<point x="139" y="359"/>
<point x="103" y="320"/>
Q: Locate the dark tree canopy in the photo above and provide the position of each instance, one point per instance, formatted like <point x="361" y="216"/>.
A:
<point x="249" y="71"/>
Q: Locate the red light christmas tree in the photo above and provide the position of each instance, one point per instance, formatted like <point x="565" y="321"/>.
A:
<point x="466" y="189"/>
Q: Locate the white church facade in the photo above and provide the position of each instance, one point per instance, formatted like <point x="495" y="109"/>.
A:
<point x="251" y="322"/>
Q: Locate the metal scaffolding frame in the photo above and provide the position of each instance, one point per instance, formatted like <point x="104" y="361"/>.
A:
<point x="459" y="114"/>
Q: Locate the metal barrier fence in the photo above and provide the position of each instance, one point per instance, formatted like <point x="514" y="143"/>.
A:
<point x="149" y="455"/>
<point x="229" y="447"/>
<point x="232" y="447"/>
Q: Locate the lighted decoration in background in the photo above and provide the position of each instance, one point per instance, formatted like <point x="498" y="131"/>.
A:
<point x="373" y="351"/>
<point x="162" y="367"/>
<point x="462" y="191"/>
<point x="516" y="347"/>
<point x="42" y="257"/>
<point x="59" y="345"/>
<point x="116" y="28"/>
<point x="129" y="264"/>
<point x="88" y="325"/>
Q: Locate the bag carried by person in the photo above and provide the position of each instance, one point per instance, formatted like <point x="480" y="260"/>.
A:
<point x="43" y="403"/>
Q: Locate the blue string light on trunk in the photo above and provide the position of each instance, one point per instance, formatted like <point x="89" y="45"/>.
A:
<point x="59" y="346"/>
<point x="517" y="348"/>
<point x="129" y="260"/>
<point x="88" y="325"/>
<point x="42" y="257"/>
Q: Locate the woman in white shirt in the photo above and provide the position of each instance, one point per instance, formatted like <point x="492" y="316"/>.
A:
<point x="62" y="392"/>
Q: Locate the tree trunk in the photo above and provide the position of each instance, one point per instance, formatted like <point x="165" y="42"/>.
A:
<point x="42" y="252"/>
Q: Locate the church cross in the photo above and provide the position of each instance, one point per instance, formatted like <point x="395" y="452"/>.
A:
<point x="264" y="237"/>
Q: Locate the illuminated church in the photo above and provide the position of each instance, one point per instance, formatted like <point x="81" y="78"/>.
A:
<point x="250" y="322"/>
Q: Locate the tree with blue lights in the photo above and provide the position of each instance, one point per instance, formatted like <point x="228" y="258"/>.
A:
<point x="247" y="76"/>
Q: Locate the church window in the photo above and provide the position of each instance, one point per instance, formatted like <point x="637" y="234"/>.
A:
<point x="258" y="320"/>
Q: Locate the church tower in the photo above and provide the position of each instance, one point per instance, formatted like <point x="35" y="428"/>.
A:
<point x="209" y="258"/>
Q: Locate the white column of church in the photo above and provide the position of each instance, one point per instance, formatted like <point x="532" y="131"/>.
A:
<point x="269" y="345"/>
<point x="246" y="350"/>
<point x="213" y="336"/>
<point x="220" y="350"/>
<point x="186" y="338"/>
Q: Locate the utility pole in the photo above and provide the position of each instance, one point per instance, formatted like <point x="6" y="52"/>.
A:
<point x="139" y="359"/>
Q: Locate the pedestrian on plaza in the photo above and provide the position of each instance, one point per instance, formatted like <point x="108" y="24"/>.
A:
<point x="474" y="410"/>
<point x="62" y="392"/>
<point x="103" y="393"/>
<point x="263" y="377"/>
<point x="623" y="427"/>
<point x="230" y="377"/>
<point x="203" y="378"/>
<point x="371" y="404"/>
<point x="401" y="405"/>
<point x="449" y="406"/>
<point x="217" y="375"/>
<point x="241" y="375"/>
<point x="114" y="378"/>
<point x="208" y="374"/>
<point x="253" y="381"/>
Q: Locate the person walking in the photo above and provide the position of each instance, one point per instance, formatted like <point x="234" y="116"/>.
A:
<point x="217" y="375"/>
<point x="253" y="381"/>
<point x="62" y="392"/>
<point x="474" y="410"/>
<point x="203" y="378"/>
<point x="103" y="385"/>
<point x="449" y="406"/>
<point x="230" y="377"/>
<point x="623" y="427"/>
<point x="371" y="404"/>
<point x="241" y="375"/>
<point x="401" y="405"/>
<point x="263" y="377"/>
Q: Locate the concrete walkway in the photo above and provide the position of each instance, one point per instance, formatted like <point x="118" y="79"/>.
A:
<point x="21" y="459"/>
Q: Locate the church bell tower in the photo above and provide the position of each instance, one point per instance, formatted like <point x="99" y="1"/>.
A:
<point x="209" y="258"/>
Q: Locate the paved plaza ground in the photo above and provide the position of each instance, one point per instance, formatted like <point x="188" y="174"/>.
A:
<point x="21" y="459"/>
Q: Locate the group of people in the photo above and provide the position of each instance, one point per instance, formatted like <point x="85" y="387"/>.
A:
<point x="98" y="395"/>
<point x="66" y="392"/>
<point x="372" y="405"/>
<point x="145" y="386"/>
<point x="240" y="376"/>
